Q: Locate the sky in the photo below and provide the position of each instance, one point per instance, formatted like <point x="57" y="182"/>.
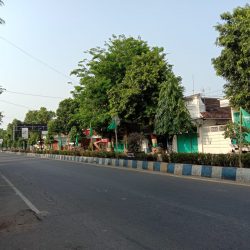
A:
<point x="42" y="41"/>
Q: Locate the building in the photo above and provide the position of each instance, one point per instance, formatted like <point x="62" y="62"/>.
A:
<point x="210" y="115"/>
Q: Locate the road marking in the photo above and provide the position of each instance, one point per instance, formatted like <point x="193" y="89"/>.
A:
<point x="28" y="203"/>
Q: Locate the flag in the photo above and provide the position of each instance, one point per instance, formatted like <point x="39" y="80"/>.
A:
<point x="112" y="125"/>
<point x="76" y="142"/>
<point x="246" y="123"/>
<point x="245" y="118"/>
<point x="90" y="131"/>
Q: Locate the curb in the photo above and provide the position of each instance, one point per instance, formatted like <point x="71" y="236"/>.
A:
<point x="241" y="175"/>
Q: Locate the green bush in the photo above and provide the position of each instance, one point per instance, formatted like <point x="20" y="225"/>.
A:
<point x="227" y="160"/>
<point x="246" y="160"/>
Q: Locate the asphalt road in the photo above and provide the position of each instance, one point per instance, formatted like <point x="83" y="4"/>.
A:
<point x="91" y="207"/>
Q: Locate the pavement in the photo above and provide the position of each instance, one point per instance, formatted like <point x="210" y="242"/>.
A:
<point x="83" y="206"/>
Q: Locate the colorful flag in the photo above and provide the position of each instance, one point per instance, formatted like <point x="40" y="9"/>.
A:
<point x="112" y="125"/>
<point x="90" y="131"/>
<point x="76" y="142"/>
<point x="246" y="123"/>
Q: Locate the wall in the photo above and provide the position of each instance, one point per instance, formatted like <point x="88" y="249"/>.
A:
<point x="212" y="140"/>
<point x="195" y="106"/>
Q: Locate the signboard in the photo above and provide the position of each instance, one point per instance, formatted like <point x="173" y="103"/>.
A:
<point x="44" y="132"/>
<point x="25" y="133"/>
<point x="1" y="141"/>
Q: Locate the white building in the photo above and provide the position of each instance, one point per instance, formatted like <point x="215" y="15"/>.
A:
<point x="210" y="116"/>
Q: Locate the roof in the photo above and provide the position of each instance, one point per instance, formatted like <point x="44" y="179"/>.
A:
<point x="220" y="113"/>
<point x="212" y="107"/>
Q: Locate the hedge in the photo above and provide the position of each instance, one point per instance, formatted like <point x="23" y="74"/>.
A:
<point x="227" y="160"/>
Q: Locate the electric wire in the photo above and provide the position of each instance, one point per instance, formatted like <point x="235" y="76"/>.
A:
<point x="36" y="58"/>
<point x="29" y="94"/>
<point x="15" y="104"/>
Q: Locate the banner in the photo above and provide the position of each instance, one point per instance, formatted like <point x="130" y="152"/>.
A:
<point x="25" y="133"/>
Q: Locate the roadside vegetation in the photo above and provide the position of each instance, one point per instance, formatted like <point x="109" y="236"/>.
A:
<point x="130" y="81"/>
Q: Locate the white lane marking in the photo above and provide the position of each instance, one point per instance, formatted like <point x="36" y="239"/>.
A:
<point x="28" y="203"/>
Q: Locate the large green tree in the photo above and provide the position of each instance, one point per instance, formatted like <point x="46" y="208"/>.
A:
<point x="66" y="117"/>
<point x="233" y="64"/>
<point x="122" y="79"/>
<point x="41" y="116"/>
<point x="106" y="68"/>
<point x="172" y="116"/>
<point x="135" y="98"/>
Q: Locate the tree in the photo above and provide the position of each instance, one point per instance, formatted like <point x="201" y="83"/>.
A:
<point x="33" y="138"/>
<point x="233" y="64"/>
<point x="122" y="79"/>
<point x="1" y="20"/>
<point x="136" y="97"/>
<point x="73" y="134"/>
<point x="66" y="117"/>
<point x="3" y="135"/>
<point x="41" y="116"/>
<point x="106" y="69"/>
<point x="172" y="116"/>
<point x="232" y="131"/>
<point x="12" y="136"/>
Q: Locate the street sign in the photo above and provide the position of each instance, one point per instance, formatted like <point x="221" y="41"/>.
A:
<point x="25" y="133"/>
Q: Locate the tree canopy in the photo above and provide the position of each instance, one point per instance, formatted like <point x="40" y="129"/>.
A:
<point x="172" y="116"/>
<point x="122" y="79"/>
<point x="233" y="64"/>
<point x="41" y="116"/>
<point x="66" y="117"/>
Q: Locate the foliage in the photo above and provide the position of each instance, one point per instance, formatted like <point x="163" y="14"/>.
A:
<point x="9" y="134"/>
<point x="227" y="160"/>
<point x="123" y="79"/>
<point x="134" y="142"/>
<point x="172" y="116"/>
<point x="223" y="160"/>
<point x="33" y="138"/>
<point x="136" y="97"/>
<point x="1" y="20"/>
<point x="232" y="131"/>
<point x="73" y="134"/>
<point x="66" y="117"/>
<point x="41" y="116"/>
<point x="234" y="61"/>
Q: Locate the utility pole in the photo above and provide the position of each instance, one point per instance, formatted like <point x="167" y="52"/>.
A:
<point x="240" y="142"/>
<point x="116" y="140"/>
<point x="13" y="133"/>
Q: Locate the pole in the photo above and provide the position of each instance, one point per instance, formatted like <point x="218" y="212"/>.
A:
<point x="240" y="142"/>
<point x="13" y="136"/>
<point x="116" y="140"/>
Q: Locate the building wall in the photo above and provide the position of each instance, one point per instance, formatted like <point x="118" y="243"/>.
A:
<point x="195" y="106"/>
<point x="212" y="140"/>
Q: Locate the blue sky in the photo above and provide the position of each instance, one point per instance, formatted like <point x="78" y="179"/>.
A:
<point x="58" y="32"/>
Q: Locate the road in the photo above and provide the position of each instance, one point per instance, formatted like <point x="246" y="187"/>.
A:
<point x="92" y="207"/>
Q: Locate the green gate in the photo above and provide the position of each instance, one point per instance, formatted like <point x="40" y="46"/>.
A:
<point x="187" y="143"/>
